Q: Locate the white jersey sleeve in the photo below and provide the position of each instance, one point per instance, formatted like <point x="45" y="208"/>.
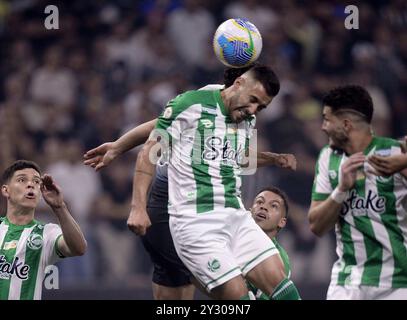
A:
<point x="212" y="87"/>
<point x="322" y="187"/>
<point x="52" y="233"/>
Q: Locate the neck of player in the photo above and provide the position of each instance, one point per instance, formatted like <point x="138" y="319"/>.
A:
<point x="272" y="234"/>
<point x="358" y="142"/>
<point x="19" y="215"/>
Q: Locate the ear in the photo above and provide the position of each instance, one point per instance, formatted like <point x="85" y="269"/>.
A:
<point x="282" y="223"/>
<point x="4" y="190"/>
<point x="239" y="81"/>
<point x="347" y="124"/>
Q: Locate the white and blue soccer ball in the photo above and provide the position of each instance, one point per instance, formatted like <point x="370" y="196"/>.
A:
<point x="237" y="43"/>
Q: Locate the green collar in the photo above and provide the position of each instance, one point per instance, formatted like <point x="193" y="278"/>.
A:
<point x="370" y="146"/>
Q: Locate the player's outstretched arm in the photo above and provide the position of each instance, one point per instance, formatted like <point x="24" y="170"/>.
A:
<point x="72" y="243"/>
<point x="282" y="160"/>
<point x="138" y="220"/>
<point x="266" y="158"/>
<point x="104" y="154"/>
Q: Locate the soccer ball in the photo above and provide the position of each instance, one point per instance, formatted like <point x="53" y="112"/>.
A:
<point x="237" y="43"/>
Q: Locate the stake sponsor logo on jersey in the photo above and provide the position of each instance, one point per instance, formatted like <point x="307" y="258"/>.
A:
<point x="16" y="267"/>
<point x="360" y="206"/>
<point x="215" y="148"/>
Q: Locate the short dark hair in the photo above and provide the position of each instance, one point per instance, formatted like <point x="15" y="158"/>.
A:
<point x="262" y="73"/>
<point x="16" y="166"/>
<point x="350" y="98"/>
<point x="266" y="76"/>
<point x="279" y="192"/>
<point x="230" y="74"/>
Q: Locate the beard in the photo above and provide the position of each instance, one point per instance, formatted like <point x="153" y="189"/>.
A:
<point x="338" y="140"/>
<point x="234" y="113"/>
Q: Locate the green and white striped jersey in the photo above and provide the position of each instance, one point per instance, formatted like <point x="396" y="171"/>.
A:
<point x="206" y="150"/>
<point x="25" y="252"/>
<point x="372" y="229"/>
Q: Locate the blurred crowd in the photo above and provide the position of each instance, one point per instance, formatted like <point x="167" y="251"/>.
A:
<point x="112" y="65"/>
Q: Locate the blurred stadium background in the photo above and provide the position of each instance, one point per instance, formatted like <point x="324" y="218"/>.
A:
<point x="112" y="65"/>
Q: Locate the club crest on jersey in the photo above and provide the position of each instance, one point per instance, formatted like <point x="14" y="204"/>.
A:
<point x="34" y="241"/>
<point x="332" y="174"/>
<point x="15" y="267"/>
<point x="213" y="265"/>
<point x="167" y="113"/>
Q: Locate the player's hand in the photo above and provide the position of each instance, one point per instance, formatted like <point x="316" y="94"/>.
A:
<point x="286" y="160"/>
<point x="386" y="166"/>
<point x="349" y="171"/>
<point x="282" y="160"/>
<point x="138" y="221"/>
<point x="100" y="156"/>
<point x="51" y="192"/>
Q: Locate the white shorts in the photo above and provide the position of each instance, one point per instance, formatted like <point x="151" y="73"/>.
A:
<point x="218" y="246"/>
<point x="336" y="292"/>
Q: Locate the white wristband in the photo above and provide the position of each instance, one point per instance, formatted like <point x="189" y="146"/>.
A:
<point x="339" y="196"/>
